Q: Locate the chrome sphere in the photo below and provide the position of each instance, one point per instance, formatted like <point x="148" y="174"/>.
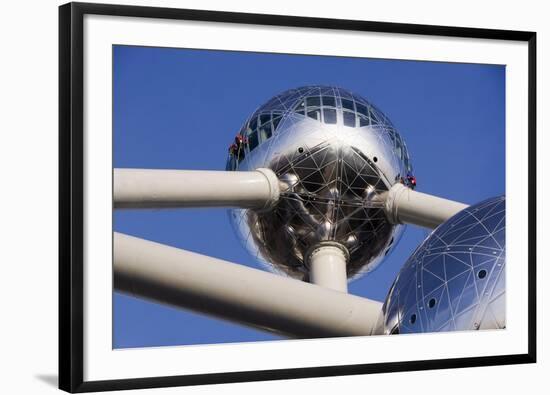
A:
<point x="455" y="280"/>
<point x="334" y="154"/>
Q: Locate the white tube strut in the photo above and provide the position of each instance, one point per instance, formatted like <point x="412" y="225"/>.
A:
<point x="327" y="267"/>
<point x="152" y="188"/>
<point x="403" y="205"/>
<point x="249" y="296"/>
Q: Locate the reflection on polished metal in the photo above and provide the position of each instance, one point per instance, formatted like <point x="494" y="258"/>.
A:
<point x="335" y="155"/>
<point x="455" y="280"/>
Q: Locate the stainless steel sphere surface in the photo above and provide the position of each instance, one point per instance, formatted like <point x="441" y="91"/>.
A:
<point x="334" y="153"/>
<point x="455" y="280"/>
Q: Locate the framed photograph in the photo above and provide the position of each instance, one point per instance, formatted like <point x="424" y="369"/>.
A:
<point x="250" y="197"/>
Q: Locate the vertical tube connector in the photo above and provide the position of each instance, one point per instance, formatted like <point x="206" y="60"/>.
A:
<point x="327" y="263"/>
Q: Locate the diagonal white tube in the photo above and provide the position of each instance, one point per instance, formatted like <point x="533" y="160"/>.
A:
<point x="405" y="206"/>
<point x="238" y="293"/>
<point x="152" y="188"/>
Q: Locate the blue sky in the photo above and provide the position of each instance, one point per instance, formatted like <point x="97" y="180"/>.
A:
<point x="180" y="109"/>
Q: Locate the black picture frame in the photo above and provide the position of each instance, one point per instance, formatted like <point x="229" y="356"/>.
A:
<point x="71" y="224"/>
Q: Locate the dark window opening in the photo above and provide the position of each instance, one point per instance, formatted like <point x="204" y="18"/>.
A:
<point x="265" y="118"/>
<point x="276" y="122"/>
<point x="431" y="303"/>
<point x="314" y="101"/>
<point x="315" y="114"/>
<point x="413" y="318"/>
<point x="349" y="119"/>
<point x="329" y="115"/>
<point x="482" y="273"/>
<point x="329" y="101"/>
<point x="253" y="140"/>
<point x="253" y="123"/>
<point x="362" y="109"/>
<point x="348" y="104"/>
<point x="363" y="121"/>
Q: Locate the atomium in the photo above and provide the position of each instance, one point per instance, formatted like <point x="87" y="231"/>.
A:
<point x="335" y="155"/>
<point x="455" y="280"/>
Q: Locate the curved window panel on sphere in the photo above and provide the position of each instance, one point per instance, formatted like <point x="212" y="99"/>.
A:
<point x="335" y="154"/>
<point x="455" y="280"/>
